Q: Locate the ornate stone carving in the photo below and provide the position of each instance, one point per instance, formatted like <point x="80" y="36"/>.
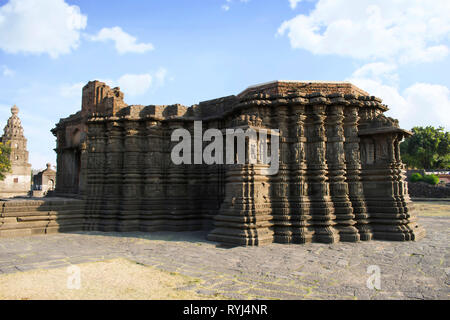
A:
<point x="340" y="176"/>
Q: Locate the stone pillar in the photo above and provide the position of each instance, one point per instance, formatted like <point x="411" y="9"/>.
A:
<point x="390" y="215"/>
<point x="322" y="209"/>
<point x="153" y="210"/>
<point x="177" y="202"/>
<point x="60" y="176"/>
<point x="279" y="183"/>
<point x="210" y="177"/>
<point x="244" y="217"/>
<point x="82" y="182"/>
<point x="400" y="184"/>
<point x="336" y="171"/>
<point x="96" y="164"/>
<point x="299" y="200"/>
<point x="353" y="163"/>
<point x="238" y="223"/>
<point x="417" y="231"/>
<point x="131" y="175"/>
<point x="113" y="180"/>
<point x="194" y="186"/>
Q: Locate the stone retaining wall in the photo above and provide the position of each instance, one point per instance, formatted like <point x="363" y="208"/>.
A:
<point x="28" y="217"/>
<point x="425" y="190"/>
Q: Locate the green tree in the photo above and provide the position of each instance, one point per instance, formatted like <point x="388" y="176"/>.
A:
<point x="428" y="148"/>
<point x="5" y="164"/>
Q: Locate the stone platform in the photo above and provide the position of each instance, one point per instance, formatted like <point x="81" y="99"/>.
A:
<point x="408" y="270"/>
<point x="28" y="216"/>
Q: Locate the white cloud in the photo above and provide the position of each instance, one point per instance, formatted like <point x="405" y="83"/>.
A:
<point x="227" y="5"/>
<point x="135" y="84"/>
<point x="7" y="72"/>
<point x="124" y="42"/>
<point x="130" y="84"/>
<point x="429" y="54"/>
<point x="399" y="108"/>
<point x="430" y="104"/>
<point x="161" y="76"/>
<point x="40" y="26"/>
<point x="71" y="90"/>
<point x="404" y="30"/>
<point x="379" y="71"/>
<point x="421" y="104"/>
<point x="293" y="3"/>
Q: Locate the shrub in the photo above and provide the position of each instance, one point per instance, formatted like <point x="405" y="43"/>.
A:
<point x="5" y="164"/>
<point x="415" y="177"/>
<point x="431" y="179"/>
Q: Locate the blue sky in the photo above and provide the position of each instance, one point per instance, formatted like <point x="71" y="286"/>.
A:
<point x="164" y="52"/>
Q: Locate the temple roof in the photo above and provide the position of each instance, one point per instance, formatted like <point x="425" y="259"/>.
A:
<point x="306" y="87"/>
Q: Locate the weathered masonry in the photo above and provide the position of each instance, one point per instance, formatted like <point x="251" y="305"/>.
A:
<point x="340" y="174"/>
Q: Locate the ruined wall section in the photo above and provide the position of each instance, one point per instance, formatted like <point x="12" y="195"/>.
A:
<point x="71" y="135"/>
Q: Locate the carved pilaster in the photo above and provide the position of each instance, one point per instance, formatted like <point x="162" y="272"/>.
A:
<point x="391" y="216"/>
<point x="244" y="217"/>
<point x="322" y="209"/>
<point x="211" y="181"/>
<point x="336" y="172"/>
<point x="300" y="215"/>
<point x="153" y="207"/>
<point x="96" y="165"/>
<point x="113" y="180"/>
<point x="194" y="186"/>
<point x="131" y="175"/>
<point x="176" y="191"/>
<point x="353" y="173"/>
<point x="279" y="183"/>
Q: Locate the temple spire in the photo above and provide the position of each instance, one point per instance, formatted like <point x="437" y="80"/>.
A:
<point x="14" y="135"/>
<point x="14" y="110"/>
<point x="13" y="128"/>
<point x="18" y="180"/>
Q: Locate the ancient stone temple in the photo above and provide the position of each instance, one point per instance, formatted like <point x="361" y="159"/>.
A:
<point x="18" y="180"/>
<point x="340" y="175"/>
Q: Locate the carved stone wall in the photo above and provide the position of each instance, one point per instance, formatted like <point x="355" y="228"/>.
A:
<point x="340" y="175"/>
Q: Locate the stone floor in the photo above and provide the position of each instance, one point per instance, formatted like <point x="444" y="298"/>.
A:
<point x="411" y="270"/>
